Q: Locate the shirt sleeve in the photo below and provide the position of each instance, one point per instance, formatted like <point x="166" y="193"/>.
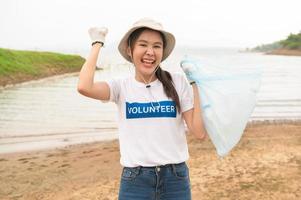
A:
<point x="114" y="85"/>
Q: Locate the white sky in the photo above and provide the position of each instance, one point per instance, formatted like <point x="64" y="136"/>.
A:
<point x="63" y="24"/>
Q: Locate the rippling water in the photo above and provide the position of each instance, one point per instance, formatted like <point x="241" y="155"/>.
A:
<point x="50" y="112"/>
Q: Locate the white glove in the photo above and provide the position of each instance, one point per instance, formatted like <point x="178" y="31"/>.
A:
<point x="191" y="70"/>
<point x="98" y="34"/>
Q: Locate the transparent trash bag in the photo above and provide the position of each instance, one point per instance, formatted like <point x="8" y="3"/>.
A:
<point x="228" y="99"/>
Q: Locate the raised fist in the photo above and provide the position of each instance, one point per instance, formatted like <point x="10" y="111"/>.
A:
<point x="98" y="34"/>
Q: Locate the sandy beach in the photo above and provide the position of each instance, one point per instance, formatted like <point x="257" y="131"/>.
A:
<point x="266" y="164"/>
<point x="285" y="52"/>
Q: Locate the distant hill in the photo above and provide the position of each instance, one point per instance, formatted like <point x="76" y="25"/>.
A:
<point x="19" y="66"/>
<point x="290" y="46"/>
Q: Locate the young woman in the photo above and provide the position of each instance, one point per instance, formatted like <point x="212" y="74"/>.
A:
<point x="152" y="105"/>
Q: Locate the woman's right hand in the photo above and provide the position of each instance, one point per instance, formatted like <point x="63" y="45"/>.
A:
<point x="98" y="34"/>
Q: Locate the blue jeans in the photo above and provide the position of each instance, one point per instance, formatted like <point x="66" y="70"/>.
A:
<point x="166" y="182"/>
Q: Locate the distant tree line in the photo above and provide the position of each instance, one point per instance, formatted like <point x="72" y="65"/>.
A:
<point x="293" y="41"/>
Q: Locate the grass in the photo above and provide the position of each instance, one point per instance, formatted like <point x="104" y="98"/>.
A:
<point x="33" y="64"/>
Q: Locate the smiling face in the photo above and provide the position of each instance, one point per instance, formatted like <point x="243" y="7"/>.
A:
<point x="146" y="53"/>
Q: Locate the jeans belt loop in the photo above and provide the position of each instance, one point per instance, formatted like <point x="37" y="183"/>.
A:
<point x="173" y="168"/>
<point x="137" y="170"/>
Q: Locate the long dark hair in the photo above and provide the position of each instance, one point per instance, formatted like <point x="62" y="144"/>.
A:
<point x="162" y="75"/>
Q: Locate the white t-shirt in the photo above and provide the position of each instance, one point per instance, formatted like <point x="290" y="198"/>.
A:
<point x="151" y="131"/>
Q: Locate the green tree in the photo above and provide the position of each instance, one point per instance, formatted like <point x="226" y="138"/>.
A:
<point x="293" y="41"/>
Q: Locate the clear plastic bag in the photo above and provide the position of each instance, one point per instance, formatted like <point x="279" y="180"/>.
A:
<point x="228" y="99"/>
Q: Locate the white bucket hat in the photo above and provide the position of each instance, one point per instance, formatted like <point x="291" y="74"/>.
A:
<point x="151" y="24"/>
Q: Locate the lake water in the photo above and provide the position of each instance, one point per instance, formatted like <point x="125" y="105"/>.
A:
<point x="50" y="112"/>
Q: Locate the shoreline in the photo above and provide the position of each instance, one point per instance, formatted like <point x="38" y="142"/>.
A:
<point x="15" y="145"/>
<point x="276" y="52"/>
<point x="284" y="52"/>
<point x="265" y="164"/>
<point x="38" y="79"/>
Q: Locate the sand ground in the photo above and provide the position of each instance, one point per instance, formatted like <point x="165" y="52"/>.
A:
<point x="266" y="164"/>
<point x="285" y="52"/>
